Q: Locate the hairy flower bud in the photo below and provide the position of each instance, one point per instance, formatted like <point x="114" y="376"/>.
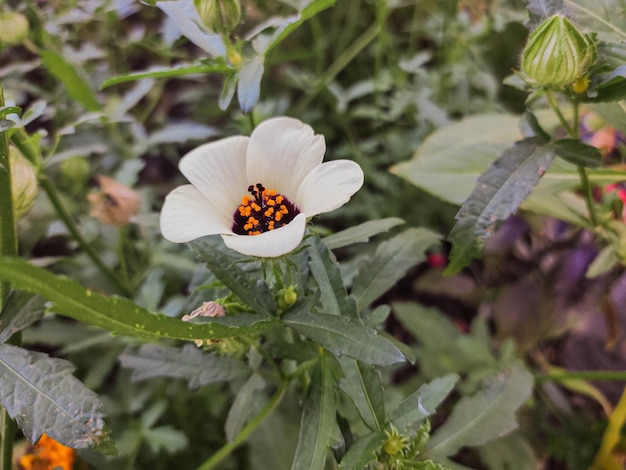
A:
<point x="557" y="54"/>
<point x="221" y="16"/>
<point x="23" y="182"/>
<point x="13" y="27"/>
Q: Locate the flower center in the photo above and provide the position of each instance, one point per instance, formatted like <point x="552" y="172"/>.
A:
<point x="263" y="210"/>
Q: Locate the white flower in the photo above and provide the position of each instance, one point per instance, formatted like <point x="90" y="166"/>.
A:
<point x="258" y="191"/>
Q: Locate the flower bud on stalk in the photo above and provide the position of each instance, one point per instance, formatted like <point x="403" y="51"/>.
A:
<point x="221" y="16"/>
<point x="557" y="54"/>
<point x="23" y="183"/>
<point x="13" y="28"/>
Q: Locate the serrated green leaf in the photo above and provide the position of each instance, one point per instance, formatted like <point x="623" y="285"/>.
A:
<point x="217" y="66"/>
<point x="609" y="87"/>
<point x="20" y="310"/>
<point x="243" y="407"/>
<point x="345" y="336"/>
<point x="577" y="153"/>
<point x="76" y="86"/>
<point x="392" y="259"/>
<point x="361" y="233"/>
<point x="362" y="384"/>
<point x="541" y="9"/>
<point x="598" y="16"/>
<point x="510" y="451"/>
<point x="488" y="414"/>
<point x="120" y="315"/>
<point x="189" y="363"/>
<point x="362" y="451"/>
<point x="43" y="397"/>
<point x="325" y="271"/>
<point x="422" y="403"/>
<point x="318" y="426"/>
<point x="498" y="193"/>
<point x="252" y="291"/>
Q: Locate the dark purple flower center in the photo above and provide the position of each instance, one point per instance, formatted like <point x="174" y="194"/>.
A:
<point x="263" y="210"/>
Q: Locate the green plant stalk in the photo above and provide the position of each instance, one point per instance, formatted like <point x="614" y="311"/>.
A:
<point x="8" y="247"/>
<point x="20" y="141"/>
<point x="582" y="172"/>
<point x="342" y="62"/>
<point x="583" y="375"/>
<point x="229" y="447"/>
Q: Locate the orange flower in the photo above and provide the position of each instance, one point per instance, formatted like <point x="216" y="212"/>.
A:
<point x="48" y="454"/>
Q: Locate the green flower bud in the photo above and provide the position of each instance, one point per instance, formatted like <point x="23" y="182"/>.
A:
<point x="221" y="16"/>
<point x="13" y="28"/>
<point x="287" y="297"/>
<point x="557" y="54"/>
<point x="74" y="174"/>
<point x="23" y="183"/>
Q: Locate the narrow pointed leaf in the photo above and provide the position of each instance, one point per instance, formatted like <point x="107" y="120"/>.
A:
<point x="577" y="153"/>
<point x="344" y="336"/>
<point x="244" y="285"/>
<point x="188" y="363"/>
<point x="20" y="310"/>
<point x="391" y="261"/>
<point x="488" y="414"/>
<point x="361" y="233"/>
<point x="362" y="451"/>
<point x="43" y="397"/>
<point x="422" y="403"/>
<point x="119" y="315"/>
<point x="75" y="85"/>
<point x="498" y="193"/>
<point x="318" y="426"/>
<point x="217" y="66"/>
<point x="362" y="384"/>
<point x="325" y="270"/>
<point x="228" y="91"/>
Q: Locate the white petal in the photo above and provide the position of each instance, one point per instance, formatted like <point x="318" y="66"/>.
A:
<point x="218" y="171"/>
<point x="329" y="186"/>
<point x="272" y="243"/>
<point x="281" y="152"/>
<point x="187" y="215"/>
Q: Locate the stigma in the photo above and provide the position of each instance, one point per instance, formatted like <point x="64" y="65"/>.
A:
<point x="262" y="210"/>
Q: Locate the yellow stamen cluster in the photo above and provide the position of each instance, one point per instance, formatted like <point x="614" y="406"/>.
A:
<point x="264" y="210"/>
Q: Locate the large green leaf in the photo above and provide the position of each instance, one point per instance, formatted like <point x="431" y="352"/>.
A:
<point x="244" y="406"/>
<point x="243" y="284"/>
<point x="215" y="66"/>
<point x="361" y="233"/>
<point x="345" y="336"/>
<point x="498" y="193"/>
<point x="452" y="158"/>
<point x="599" y="16"/>
<point x="392" y="259"/>
<point x="118" y="314"/>
<point x="362" y="384"/>
<point x="43" y="397"/>
<point x="189" y="363"/>
<point x="76" y="86"/>
<point x="325" y="270"/>
<point x="422" y="403"/>
<point x="488" y="414"/>
<point x="318" y="427"/>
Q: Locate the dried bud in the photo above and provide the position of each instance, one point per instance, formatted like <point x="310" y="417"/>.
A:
<point x="114" y="203"/>
<point x="557" y="54"/>
<point x="13" y="28"/>
<point x="221" y="16"/>
<point x="207" y="309"/>
<point x="23" y="183"/>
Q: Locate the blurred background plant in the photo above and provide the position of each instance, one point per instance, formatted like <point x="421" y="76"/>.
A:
<point x="103" y="98"/>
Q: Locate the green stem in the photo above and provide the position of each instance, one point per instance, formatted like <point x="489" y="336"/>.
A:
<point x="342" y="61"/>
<point x="583" y="375"/>
<point x="572" y="131"/>
<point x="8" y="247"/>
<point x="67" y="219"/>
<point x="229" y="447"/>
